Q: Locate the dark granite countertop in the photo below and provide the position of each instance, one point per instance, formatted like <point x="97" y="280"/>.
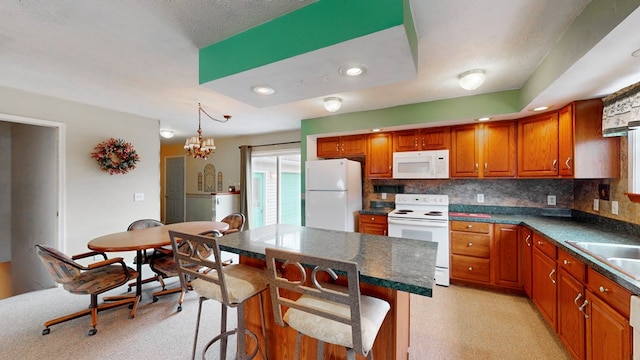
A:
<point x="561" y="229"/>
<point x="390" y="262"/>
<point x="376" y="211"/>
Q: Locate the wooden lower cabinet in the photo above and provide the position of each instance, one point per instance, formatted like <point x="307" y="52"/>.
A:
<point x="507" y="271"/>
<point x="608" y="332"/>
<point x="373" y="224"/>
<point x="571" y="319"/>
<point x="544" y="286"/>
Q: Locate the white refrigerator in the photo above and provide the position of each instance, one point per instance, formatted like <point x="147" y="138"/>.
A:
<point x="333" y="194"/>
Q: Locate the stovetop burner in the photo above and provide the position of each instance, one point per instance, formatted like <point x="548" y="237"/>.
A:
<point x="403" y="211"/>
<point x="434" y="213"/>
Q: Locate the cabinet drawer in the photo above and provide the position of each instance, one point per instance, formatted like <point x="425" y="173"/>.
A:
<point x="470" y="244"/>
<point x="572" y="265"/>
<point x="613" y="294"/>
<point x="374" y="219"/>
<point x="542" y="244"/>
<point x="470" y="226"/>
<point x="470" y="268"/>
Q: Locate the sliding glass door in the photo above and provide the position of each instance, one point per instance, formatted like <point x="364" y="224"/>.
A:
<point x="275" y="188"/>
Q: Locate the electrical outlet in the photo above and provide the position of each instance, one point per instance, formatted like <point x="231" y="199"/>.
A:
<point x="138" y="197"/>
<point x="480" y="198"/>
<point x="551" y="200"/>
<point x="596" y="204"/>
<point x="614" y="207"/>
<point x="383" y="196"/>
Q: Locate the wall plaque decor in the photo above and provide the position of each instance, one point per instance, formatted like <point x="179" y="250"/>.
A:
<point x="209" y="178"/>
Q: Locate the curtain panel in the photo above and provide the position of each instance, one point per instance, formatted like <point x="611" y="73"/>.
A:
<point x="621" y="111"/>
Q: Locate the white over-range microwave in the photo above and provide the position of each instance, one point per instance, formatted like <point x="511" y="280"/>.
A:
<point x="429" y="164"/>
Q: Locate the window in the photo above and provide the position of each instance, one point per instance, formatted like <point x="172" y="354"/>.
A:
<point x="275" y="188"/>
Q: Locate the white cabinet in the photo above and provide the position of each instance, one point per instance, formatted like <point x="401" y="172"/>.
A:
<point x="224" y="203"/>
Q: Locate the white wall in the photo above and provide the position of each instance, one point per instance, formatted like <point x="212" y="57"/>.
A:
<point x="96" y="203"/>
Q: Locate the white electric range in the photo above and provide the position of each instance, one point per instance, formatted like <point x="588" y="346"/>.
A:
<point x="424" y="217"/>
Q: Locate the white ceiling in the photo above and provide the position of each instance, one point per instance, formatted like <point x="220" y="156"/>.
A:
<point x="141" y="56"/>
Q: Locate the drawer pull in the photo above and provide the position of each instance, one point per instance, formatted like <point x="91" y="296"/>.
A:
<point x="581" y="308"/>
<point x="469" y="226"/>
<point x="566" y="262"/>
<point x="470" y="268"/>
<point x="372" y="219"/>
<point x="603" y="289"/>
<point x="469" y="244"/>
<point x="553" y="271"/>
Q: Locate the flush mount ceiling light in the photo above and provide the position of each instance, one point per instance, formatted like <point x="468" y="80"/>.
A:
<point x="353" y="70"/>
<point x="332" y="104"/>
<point x="198" y="147"/>
<point x="472" y="79"/>
<point x="263" y="90"/>
<point x="167" y="134"/>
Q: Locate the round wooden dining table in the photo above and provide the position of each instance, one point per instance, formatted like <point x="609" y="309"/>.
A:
<point x="148" y="238"/>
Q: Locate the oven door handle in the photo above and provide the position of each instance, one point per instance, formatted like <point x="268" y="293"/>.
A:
<point x="426" y="223"/>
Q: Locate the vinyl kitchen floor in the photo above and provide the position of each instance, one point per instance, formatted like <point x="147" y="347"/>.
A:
<point x="465" y="323"/>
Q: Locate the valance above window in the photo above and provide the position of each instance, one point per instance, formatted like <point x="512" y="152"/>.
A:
<point x="621" y="111"/>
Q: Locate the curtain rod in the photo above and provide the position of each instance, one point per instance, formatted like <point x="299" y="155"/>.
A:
<point x="282" y="143"/>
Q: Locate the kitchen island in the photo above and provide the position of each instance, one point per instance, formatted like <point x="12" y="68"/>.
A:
<point x="390" y="269"/>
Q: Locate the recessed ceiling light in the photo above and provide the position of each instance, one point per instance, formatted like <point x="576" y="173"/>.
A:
<point x="484" y="119"/>
<point x="263" y="90"/>
<point x="353" y="70"/>
<point x="375" y="130"/>
<point x="636" y="53"/>
<point x="540" y="108"/>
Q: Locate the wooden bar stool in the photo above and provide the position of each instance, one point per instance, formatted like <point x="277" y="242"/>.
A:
<point x="231" y="285"/>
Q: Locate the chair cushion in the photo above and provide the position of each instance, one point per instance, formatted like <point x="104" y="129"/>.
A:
<point x="60" y="271"/>
<point x="373" y="312"/>
<point x="99" y="280"/>
<point x="243" y="282"/>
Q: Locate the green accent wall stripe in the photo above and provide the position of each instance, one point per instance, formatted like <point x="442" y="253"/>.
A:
<point x="315" y="26"/>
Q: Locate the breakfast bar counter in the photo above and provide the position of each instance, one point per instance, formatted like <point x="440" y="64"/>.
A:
<point x="390" y="269"/>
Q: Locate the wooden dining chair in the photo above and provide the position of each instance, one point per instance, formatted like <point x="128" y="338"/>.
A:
<point x="330" y="313"/>
<point x="93" y="279"/>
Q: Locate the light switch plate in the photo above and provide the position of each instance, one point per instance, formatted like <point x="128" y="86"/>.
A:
<point x="480" y="198"/>
<point x="138" y="197"/>
<point x="551" y="200"/>
<point x="596" y="204"/>
<point x="614" y="207"/>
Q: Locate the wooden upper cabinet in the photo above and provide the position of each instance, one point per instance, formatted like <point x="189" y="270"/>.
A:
<point x="483" y="150"/>
<point x="538" y="145"/>
<point x="583" y="152"/>
<point x="422" y="139"/>
<point x="379" y="161"/>
<point x="499" y="149"/>
<point x="464" y="157"/>
<point x="339" y="146"/>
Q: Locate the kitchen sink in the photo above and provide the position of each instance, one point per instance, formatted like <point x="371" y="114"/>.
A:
<point x="625" y="258"/>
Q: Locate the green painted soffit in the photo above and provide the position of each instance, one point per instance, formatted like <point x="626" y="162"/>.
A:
<point x="315" y="26"/>
<point x="504" y="102"/>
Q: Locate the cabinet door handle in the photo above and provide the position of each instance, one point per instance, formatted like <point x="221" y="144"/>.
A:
<point x="422" y="142"/>
<point x="476" y="168"/>
<point x="553" y="271"/>
<point x="385" y="232"/>
<point x="603" y="289"/>
<point x="470" y="244"/>
<point x="343" y="147"/>
<point x="567" y="163"/>
<point x="337" y="147"/>
<point x="527" y="240"/>
<point x="555" y="164"/>
<point x="581" y="308"/>
<point x="486" y="167"/>
<point x="415" y="143"/>
<point x="575" y="301"/>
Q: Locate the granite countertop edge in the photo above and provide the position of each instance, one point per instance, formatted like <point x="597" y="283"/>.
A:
<point x="561" y="230"/>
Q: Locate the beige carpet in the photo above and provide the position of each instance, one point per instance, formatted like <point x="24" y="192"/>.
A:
<point x="457" y="323"/>
<point x="465" y="323"/>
